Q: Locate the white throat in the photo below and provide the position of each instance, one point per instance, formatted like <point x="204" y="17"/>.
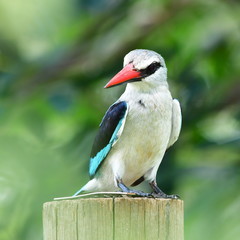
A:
<point x="146" y="87"/>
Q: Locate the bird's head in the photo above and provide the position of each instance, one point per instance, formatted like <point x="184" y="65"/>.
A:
<point x="141" y="66"/>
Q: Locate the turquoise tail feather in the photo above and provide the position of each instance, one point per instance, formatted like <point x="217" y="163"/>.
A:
<point x="78" y="192"/>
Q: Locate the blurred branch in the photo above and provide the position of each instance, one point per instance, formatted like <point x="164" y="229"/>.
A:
<point x="79" y="52"/>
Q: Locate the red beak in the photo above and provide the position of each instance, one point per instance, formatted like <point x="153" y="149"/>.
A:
<point x="127" y="74"/>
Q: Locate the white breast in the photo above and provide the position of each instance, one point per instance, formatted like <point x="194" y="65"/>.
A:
<point x="145" y="135"/>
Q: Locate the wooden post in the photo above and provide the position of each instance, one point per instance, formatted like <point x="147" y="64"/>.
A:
<point x="117" y="218"/>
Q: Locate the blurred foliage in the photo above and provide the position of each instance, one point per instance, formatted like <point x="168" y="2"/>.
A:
<point x="55" y="58"/>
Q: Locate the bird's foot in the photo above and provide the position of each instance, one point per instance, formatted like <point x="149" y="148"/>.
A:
<point x="124" y="188"/>
<point x="160" y="195"/>
<point x="139" y="193"/>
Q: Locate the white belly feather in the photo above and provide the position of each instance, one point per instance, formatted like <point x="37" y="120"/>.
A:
<point x="143" y="141"/>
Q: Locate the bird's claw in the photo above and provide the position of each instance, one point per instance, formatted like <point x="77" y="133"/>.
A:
<point x="139" y="193"/>
<point x="135" y="193"/>
<point x="159" y="195"/>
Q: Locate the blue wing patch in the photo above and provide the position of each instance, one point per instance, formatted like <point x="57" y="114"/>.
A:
<point x="107" y="135"/>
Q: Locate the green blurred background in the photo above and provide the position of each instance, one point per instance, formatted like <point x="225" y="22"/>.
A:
<point x="55" y="58"/>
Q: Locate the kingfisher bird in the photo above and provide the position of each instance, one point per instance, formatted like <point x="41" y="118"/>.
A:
<point x="136" y="130"/>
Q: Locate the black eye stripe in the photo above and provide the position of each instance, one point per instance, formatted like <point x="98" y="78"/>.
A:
<point x="152" y="68"/>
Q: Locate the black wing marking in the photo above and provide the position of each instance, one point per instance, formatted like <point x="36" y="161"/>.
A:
<point x="107" y="135"/>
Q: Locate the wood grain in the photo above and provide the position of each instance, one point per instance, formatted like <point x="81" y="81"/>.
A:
<point x="120" y="218"/>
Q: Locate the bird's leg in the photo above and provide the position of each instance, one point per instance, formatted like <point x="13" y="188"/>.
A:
<point x="124" y="188"/>
<point x="158" y="193"/>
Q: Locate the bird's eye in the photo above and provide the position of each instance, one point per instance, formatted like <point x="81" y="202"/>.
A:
<point x="152" y="68"/>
